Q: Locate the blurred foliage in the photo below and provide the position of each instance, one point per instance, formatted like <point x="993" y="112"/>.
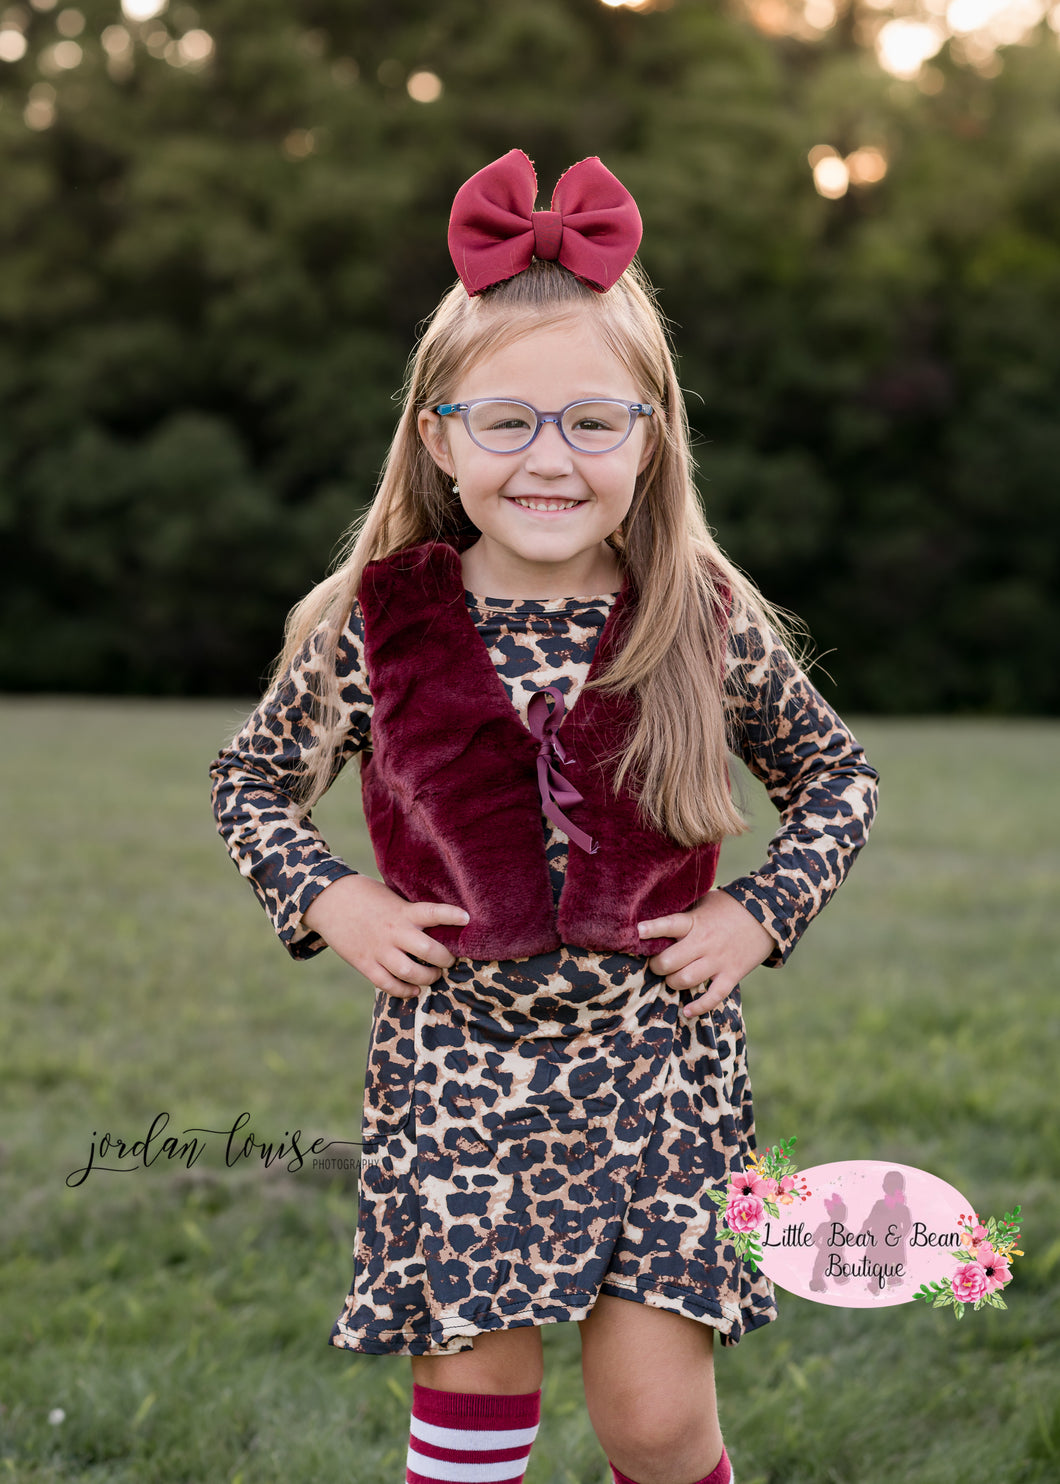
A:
<point x="211" y="276"/>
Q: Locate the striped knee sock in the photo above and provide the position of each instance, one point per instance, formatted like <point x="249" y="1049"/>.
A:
<point x="466" y="1438"/>
<point x="721" y="1473"/>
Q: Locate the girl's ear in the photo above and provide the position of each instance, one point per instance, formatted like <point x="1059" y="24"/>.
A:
<point x="432" y="435"/>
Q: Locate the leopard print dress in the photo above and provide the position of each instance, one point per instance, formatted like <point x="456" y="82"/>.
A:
<point x="538" y="1131"/>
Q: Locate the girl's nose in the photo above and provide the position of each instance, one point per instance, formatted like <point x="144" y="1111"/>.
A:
<point x="549" y="453"/>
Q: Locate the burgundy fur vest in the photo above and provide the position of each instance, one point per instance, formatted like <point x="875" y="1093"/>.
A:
<point x="450" y="786"/>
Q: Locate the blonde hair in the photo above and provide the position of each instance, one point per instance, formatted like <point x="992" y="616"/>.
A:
<point x="690" y="595"/>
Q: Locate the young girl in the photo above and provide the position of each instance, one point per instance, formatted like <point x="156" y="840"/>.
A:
<point x="541" y="657"/>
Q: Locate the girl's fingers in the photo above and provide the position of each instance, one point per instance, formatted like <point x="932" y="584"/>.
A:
<point x="385" y="983"/>
<point x="674" y="926"/>
<point x="687" y="976"/>
<point x="414" y="974"/>
<point x="720" y="989"/>
<point x="429" y="913"/>
<point x="433" y="952"/>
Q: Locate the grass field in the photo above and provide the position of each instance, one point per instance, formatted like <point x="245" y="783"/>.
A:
<point x="178" y="1318"/>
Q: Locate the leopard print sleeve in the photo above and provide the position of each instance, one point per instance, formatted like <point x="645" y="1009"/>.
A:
<point x="255" y="779"/>
<point x="815" y="772"/>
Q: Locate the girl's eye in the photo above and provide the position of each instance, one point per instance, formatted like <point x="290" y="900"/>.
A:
<point x="596" y="420"/>
<point x="503" y="421"/>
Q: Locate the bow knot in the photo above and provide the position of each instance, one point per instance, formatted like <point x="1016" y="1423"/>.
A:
<point x="554" y="788"/>
<point x="548" y="745"/>
<point x="593" y="227"/>
<point x="548" y="234"/>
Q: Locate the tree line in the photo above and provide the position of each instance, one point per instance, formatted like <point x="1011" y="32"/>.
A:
<point x="219" y="230"/>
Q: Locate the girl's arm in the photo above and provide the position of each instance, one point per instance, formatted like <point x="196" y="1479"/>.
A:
<point x="815" y="772"/>
<point x="255" y="778"/>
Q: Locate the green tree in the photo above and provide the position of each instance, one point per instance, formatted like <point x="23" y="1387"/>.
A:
<point x="212" y="267"/>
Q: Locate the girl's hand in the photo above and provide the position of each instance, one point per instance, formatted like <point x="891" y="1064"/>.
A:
<point x="377" y="932"/>
<point x="718" y="940"/>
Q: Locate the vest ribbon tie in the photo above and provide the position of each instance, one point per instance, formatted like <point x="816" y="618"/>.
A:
<point x="555" y="789"/>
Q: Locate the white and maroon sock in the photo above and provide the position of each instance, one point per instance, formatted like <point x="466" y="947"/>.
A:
<point x="461" y="1437"/>
<point x="721" y="1473"/>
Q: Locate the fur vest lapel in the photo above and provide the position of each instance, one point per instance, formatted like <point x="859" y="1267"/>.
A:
<point x="450" y="786"/>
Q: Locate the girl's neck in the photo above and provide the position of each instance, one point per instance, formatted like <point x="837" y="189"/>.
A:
<point x="481" y="578"/>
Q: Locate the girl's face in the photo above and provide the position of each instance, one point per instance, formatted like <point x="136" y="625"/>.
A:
<point x="559" y="551"/>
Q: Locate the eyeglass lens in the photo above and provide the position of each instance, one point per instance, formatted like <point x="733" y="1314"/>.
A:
<point x="505" y="427"/>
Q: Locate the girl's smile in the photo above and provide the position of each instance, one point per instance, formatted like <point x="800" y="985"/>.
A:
<point x="545" y="512"/>
<point x="542" y="505"/>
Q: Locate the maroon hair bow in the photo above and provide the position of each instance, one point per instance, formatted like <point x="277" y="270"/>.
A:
<point x="593" y="226"/>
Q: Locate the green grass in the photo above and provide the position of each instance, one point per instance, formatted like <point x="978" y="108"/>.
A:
<point x="179" y="1317"/>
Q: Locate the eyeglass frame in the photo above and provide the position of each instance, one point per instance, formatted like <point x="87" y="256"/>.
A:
<point x="635" y="409"/>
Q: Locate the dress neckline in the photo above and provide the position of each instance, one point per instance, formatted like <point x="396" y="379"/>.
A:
<point x="537" y="605"/>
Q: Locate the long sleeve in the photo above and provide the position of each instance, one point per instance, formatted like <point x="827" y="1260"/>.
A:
<point x="815" y="773"/>
<point x="255" y="781"/>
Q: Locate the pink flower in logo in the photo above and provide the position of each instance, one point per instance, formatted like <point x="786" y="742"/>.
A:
<point x="993" y="1265"/>
<point x="747" y="1183"/>
<point x="771" y="1185"/>
<point x="743" y="1213"/>
<point x="979" y="1234"/>
<point x="969" y="1282"/>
